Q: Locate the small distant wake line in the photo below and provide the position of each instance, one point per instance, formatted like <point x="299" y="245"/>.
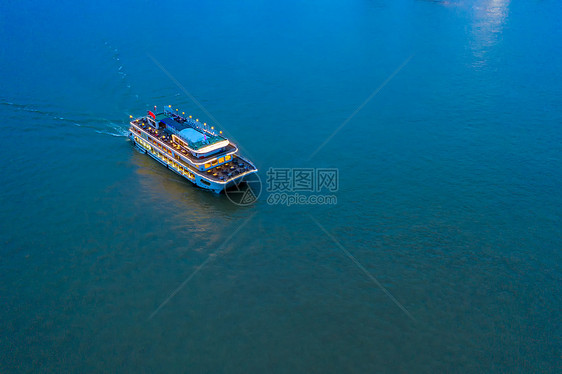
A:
<point x="99" y="125"/>
<point x="109" y="133"/>
<point x="26" y="108"/>
<point x="120" y="135"/>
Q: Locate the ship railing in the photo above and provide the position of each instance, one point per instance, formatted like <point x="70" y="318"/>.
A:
<point x="247" y="161"/>
<point x="195" y="124"/>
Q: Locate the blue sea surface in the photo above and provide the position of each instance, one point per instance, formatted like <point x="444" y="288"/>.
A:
<point x="442" y="254"/>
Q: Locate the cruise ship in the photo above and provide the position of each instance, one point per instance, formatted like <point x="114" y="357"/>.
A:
<point x="190" y="148"/>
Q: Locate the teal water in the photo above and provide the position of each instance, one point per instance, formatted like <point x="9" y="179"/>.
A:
<point x="449" y="188"/>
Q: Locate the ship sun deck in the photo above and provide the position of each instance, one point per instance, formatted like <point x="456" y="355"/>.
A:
<point x="196" y="139"/>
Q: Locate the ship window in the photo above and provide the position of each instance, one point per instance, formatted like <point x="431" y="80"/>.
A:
<point x="227" y="157"/>
<point x="221" y="160"/>
<point x="214" y="162"/>
<point x="207" y="165"/>
<point x="205" y="182"/>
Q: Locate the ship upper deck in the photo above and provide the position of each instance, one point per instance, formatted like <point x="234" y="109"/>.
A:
<point x="165" y="137"/>
<point x="197" y="139"/>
